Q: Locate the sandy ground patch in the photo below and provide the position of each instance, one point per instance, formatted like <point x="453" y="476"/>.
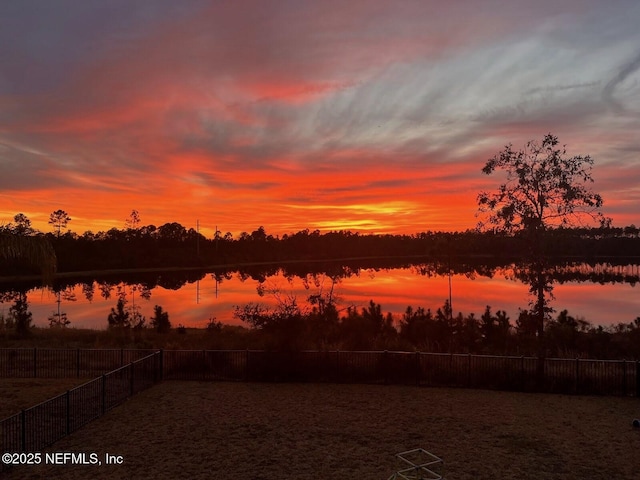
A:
<point x="19" y="393"/>
<point x="205" y="430"/>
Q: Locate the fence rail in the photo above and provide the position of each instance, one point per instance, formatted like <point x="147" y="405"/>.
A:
<point x="573" y="376"/>
<point x="37" y="427"/>
<point x="582" y="376"/>
<point x="64" y="363"/>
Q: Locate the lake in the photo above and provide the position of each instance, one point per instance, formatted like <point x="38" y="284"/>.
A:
<point x="600" y="293"/>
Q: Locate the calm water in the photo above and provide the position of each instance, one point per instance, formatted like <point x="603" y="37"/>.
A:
<point x="195" y="303"/>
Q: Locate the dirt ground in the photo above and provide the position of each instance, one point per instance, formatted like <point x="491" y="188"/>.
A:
<point x="19" y="393"/>
<point x="206" y="430"/>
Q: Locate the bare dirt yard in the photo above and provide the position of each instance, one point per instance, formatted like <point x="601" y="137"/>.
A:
<point x="205" y="430"/>
<point x="19" y="393"/>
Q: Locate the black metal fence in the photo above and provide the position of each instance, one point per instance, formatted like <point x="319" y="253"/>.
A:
<point x="572" y="376"/>
<point x="581" y="376"/>
<point x="41" y="425"/>
<point x="37" y="427"/>
<point x="64" y="363"/>
<point x="557" y="375"/>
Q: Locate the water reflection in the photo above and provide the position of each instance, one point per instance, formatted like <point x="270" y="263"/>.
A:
<point x="602" y="293"/>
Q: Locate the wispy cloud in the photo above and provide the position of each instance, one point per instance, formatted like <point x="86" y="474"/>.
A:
<point x="610" y="88"/>
<point x="288" y="114"/>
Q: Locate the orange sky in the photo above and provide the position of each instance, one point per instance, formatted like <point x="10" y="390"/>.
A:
<point x="373" y="116"/>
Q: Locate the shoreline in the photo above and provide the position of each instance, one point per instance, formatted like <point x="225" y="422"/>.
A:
<point x="234" y="265"/>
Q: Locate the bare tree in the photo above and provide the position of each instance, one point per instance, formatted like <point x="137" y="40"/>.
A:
<point x="133" y="221"/>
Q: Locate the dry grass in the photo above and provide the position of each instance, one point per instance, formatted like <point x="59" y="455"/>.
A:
<point x="19" y="393"/>
<point x="282" y="431"/>
<point x="230" y="337"/>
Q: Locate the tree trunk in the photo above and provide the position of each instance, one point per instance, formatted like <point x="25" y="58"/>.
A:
<point x="540" y="315"/>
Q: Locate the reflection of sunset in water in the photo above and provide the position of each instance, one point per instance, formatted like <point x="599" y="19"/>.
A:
<point x="195" y="303"/>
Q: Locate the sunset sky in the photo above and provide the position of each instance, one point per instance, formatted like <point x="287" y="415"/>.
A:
<point x="374" y="116"/>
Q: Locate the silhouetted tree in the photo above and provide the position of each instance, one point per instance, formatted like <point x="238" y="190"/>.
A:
<point x="160" y="320"/>
<point x="20" y="314"/>
<point x="564" y="333"/>
<point x="133" y="221"/>
<point x="119" y="316"/>
<point x="58" y="319"/>
<point x="138" y="321"/>
<point x="544" y="189"/>
<point x="526" y="330"/>
<point x="283" y="328"/>
<point x="22" y="225"/>
<point x="495" y="330"/>
<point x="323" y="321"/>
<point x="88" y="290"/>
<point x="172" y="232"/>
<point x="419" y="328"/>
<point x="368" y="328"/>
<point x="59" y="220"/>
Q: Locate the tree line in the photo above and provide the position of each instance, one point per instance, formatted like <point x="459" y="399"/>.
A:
<point x="319" y="324"/>
<point x="173" y="245"/>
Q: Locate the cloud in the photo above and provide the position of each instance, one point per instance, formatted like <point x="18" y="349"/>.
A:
<point x="613" y="84"/>
<point x="560" y="88"/>
<point x="236" y="113"/>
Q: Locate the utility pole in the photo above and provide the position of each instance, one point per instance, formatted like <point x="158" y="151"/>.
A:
<point x="450" y="272"/>
<point x="450" y="298"/>
<point x="198" y="238"/>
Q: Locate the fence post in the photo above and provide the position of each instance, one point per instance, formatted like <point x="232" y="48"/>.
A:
<point x="23" y="430"/>
<point x="104" y="393"/>
<point x="68" y="414"/>
<point x="131" y="379"/>
<point x="246" y="366"/>
<point x="624" y="377"/>
<point x="293" y="374"/>
<point x="385" y="366"/>
<point x="35" y="362"/>
<point x="417" y="369"/>
<point x="523" y="381"/>
<point x="122" y="357"/>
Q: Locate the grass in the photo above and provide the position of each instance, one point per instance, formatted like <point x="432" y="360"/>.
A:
<point x="228" y="337"/>
<point x="204" y="430"/>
